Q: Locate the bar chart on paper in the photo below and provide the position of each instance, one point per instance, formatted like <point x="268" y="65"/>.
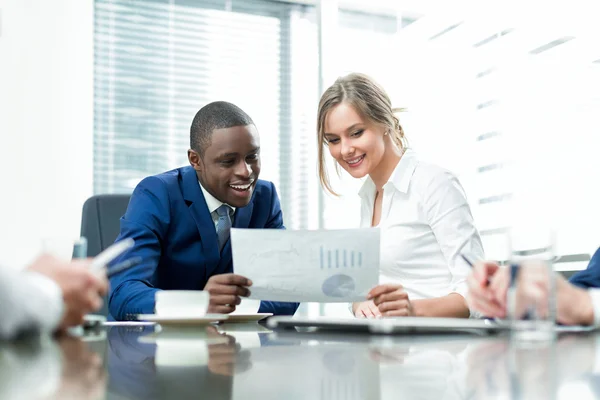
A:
<point x="340" y="258"/>
<point x="339" y="284"/>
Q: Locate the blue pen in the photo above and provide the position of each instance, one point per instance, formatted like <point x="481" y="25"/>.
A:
<point x="470" y="263"/>
<point x="467" y="260"/>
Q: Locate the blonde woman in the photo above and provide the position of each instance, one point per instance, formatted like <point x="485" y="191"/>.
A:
<point x="421" y="209"/>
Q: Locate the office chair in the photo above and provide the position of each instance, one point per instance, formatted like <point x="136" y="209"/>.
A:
<point x="100" y="225"/>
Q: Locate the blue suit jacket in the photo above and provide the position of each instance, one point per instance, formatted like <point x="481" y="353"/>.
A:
<point x="175" y="236"/>
<point x="589" y="277"/>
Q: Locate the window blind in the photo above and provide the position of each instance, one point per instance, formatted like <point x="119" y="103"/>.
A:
<point x="158" y="62"/>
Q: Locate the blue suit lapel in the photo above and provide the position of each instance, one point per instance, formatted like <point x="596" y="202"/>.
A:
<point x="194" y="198"/>
<point x="242" y="215"/>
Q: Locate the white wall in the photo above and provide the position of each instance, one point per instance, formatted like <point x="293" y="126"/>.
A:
<point x="46" y="122"/>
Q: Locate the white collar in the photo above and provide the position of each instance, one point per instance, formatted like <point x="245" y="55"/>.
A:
<point x="211" y="201"/>
<point x="401" y="176"/>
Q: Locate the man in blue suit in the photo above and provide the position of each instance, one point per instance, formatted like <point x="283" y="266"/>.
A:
<point x="180" y="219"/>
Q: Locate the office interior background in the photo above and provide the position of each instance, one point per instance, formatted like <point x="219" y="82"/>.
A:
<point x="97" y="94"/>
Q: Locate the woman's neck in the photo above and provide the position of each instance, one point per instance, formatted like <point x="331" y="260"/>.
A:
<point x="381" y="174"/>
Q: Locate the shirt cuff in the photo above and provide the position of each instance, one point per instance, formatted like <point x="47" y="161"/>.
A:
<point x="51" y="294"/>
<point x="595" y="296"/>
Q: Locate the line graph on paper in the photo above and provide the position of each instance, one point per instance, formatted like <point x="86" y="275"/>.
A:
<point x="276" y="254"/>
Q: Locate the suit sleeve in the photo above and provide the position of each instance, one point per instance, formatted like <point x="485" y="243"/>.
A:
<point x="275" y="221"/>
<point x="589" y="277"/>
<point x="146" y="221"/>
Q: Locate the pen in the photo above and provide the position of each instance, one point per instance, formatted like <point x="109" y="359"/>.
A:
<point x="472" y="265"/>
<point x="110" y="253"/>
<point x="122" y="266"/>
<point x="467" y="260"/>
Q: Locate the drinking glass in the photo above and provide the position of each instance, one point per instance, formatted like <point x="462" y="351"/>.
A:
<point x="531" y="296"/>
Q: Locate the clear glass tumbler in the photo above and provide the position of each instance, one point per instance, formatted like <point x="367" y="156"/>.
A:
<point x="531" y="296"/>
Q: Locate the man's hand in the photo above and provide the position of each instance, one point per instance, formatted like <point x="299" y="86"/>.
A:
<point x="225" y="291"/>
<point x="82" y="289"/>
<point x="532" y="283"/>
<point x="365" y="309"/>
<point x="392" y="301"/>
<point x="487" y="289"/>
<point x="573" y="304"/>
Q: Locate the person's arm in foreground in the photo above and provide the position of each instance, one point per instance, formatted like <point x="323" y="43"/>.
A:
<point x="575" y="306"/>
<point x="49" y="295"/>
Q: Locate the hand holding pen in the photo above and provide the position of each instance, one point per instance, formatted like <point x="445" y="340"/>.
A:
<point x="99" y="268"/>
<point x="485" y="283"/>
<point x="82" y="289"/>
<point x="100" y="263"/>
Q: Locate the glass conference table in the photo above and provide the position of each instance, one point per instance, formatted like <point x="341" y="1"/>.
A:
<point x="251" y="361"/>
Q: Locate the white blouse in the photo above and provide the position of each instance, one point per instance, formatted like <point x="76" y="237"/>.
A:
<point x="426" y="223"/>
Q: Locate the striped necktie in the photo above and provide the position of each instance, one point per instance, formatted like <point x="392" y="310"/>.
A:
<point x="223" y="224"/>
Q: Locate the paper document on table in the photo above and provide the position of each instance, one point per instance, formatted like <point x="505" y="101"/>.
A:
<point x="307" y="266"/>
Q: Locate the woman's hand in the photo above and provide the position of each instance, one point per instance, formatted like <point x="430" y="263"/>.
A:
<point x="365" y="309"/>
<point x="391" y="300"/>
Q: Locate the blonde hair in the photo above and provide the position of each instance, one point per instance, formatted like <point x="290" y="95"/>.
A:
<point x="370" y="100"/>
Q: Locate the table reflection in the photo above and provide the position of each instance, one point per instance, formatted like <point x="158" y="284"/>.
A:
<point x="322" y="365"/>
<point x="251" y="362"/>
<point x="553" y="370"/>
<point x="42" y="368"/>
<point x="154" y="362"/>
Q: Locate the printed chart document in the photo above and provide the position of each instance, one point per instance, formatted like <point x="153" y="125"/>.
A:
<point x="307" y="266"/>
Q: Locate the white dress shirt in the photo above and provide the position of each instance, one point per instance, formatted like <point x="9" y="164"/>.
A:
<point x="29" y="301"/>
<point x="213" y="203"/>
<point x="426" y="223"/>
